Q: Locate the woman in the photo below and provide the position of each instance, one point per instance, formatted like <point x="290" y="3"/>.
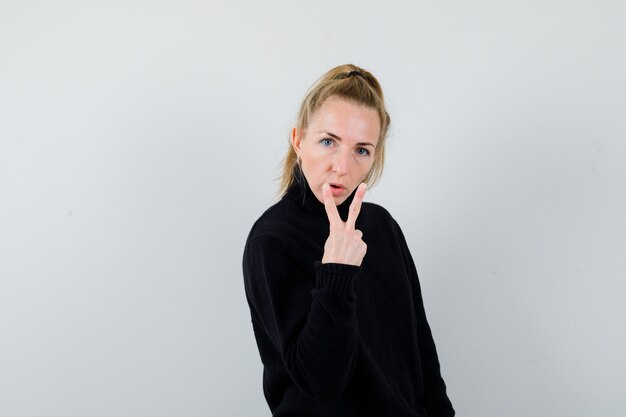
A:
<point x="334" y="295"/>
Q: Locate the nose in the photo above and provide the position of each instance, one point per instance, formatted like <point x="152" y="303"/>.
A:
<point x="341" y="162"/>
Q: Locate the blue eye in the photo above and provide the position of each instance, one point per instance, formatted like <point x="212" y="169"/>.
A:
<point x="362" y="152"/>
<point x="326" y="142"/>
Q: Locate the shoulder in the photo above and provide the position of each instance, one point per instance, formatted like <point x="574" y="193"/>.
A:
<point x="266" y="221"/>
<point x="375" y="209"/>
<point x="275" y="226"/>
<point x="272" y="251"/>
<point x="378" y="220"/>
<point x="373" y="212"/>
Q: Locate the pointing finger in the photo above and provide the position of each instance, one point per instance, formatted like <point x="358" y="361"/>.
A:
<point x="355" y="207"/>
<point x="331" y="208"/>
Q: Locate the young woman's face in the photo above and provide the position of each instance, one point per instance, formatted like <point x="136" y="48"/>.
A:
<point x="338" y="147"/>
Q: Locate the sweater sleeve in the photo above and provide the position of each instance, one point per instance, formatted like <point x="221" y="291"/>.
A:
<point x="436" y="399"/>
<point x="307" y="311"/>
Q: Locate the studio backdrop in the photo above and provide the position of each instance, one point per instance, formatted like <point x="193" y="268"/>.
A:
<point x="139" y="141"/>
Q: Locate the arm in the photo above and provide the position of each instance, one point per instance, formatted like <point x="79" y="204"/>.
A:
<point x="307" y="311"/>
<point x="435" y="397"/>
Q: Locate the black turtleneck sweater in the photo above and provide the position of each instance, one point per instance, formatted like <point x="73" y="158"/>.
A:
<point x="339" y="340"/>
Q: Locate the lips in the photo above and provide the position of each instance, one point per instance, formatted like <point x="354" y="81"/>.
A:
<point x="337" y="189"/>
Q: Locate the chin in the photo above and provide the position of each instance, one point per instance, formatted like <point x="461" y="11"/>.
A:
<point x="340" y="200"/>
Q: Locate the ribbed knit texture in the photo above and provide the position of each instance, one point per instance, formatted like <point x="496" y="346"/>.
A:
<point x="339" y="340"/>
<point x="336" y="277"/>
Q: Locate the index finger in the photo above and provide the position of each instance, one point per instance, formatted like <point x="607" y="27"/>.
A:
<point x="329" y="205"/>
<point x="355" y="206"/>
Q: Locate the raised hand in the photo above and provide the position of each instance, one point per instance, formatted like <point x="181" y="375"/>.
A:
<point x="344" y="244"/>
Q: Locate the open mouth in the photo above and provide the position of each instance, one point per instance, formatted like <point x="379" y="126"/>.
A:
<point x="337" y="189"/>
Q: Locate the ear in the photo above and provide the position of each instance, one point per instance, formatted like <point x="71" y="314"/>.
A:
<point x="295" y="140"/>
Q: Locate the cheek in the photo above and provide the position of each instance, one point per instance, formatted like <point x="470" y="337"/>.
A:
<point x="314" y="167"/>
<point x="365" y="167"/>
<point x="317" y="162"/>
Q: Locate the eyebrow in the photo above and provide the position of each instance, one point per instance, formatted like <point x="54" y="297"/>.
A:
<point x="339" y="139"/>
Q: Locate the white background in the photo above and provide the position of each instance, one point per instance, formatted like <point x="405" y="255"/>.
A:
<point x="139" y="141"/>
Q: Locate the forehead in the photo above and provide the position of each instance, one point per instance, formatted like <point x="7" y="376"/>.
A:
<point x="346" y="119"/>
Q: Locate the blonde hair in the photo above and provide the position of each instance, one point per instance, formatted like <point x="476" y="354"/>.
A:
<point x="354" y="84"/>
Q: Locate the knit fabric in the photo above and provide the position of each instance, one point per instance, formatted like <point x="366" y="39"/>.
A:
<point x="339" y="340"/>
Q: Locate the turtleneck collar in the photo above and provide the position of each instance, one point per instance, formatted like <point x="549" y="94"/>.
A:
<point x="301" y="194"/>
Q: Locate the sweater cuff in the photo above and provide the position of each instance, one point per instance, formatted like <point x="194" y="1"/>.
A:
<point x="338" y="278"/>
